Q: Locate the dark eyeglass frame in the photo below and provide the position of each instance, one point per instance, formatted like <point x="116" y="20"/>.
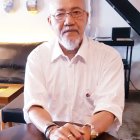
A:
<point x="76" y="13"/>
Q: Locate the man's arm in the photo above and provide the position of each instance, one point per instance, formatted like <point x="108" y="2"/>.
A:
<point x="39" y="117"/>
<point x="102" y="121"/>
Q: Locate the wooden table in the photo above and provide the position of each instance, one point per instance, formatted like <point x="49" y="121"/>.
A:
<point x="8" y="92"/>
<point x="30" y="132"/>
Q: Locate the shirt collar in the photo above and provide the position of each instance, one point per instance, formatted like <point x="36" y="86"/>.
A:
<point x="56" y="52"/>
<point x="82" y="52"/>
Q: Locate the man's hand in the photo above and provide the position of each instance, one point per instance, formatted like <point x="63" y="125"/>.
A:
<point x="70" y="132"/>
<point x="87" y="132"/>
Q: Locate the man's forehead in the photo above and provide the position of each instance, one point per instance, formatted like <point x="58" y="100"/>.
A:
<point x="65" y="4"/>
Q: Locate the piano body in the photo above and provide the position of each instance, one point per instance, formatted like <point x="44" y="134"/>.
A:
<point x="128" y="12"/>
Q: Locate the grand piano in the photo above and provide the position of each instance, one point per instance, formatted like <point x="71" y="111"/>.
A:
<point x="128" y="12"/>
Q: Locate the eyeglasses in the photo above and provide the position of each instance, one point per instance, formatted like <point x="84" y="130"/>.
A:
<point x="77" y="13"/>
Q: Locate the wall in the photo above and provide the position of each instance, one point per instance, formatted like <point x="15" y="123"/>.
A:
<point x="22" y="26"/>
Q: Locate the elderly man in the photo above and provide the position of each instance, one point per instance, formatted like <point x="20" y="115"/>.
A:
<point x="73" y="79"/>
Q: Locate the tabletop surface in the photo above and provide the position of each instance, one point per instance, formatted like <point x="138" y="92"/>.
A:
<point x="118" y="42"/>
<point x="30" y="132"/>
<point x="8" y="92"/>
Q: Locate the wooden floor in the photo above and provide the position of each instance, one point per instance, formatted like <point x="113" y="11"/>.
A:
<point x="130" y="130"/>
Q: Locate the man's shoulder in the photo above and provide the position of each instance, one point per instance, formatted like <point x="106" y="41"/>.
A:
<point x="44" y="47"/>
<point x="42" y="50"/>
<point x="100" y="49"/>
<point x="99" y="46"/>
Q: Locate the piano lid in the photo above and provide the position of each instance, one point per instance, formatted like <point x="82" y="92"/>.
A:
<point x="128" y="12"/>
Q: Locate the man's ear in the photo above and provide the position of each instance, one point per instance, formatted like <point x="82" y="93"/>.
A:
<point x="87" y="16"/>
<point x="49" y="20"/>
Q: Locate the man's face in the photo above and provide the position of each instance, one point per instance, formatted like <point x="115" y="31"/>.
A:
<point x="68" y="27"/>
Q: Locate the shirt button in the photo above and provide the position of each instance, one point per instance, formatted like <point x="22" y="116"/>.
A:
<point x="87" y="95"/>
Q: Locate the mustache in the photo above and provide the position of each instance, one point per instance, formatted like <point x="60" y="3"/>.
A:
<point x="70" y="30"/>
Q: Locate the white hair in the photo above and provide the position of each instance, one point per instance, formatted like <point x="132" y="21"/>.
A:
<point x="86" y="3"/>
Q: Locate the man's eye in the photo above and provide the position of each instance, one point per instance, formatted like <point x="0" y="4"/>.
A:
<point x="77" y="12"/>
<point x="60" y="15"/>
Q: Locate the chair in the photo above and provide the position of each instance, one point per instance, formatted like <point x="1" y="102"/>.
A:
<point x="13" y="112"/>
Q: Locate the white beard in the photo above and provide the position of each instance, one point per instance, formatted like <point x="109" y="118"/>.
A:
<point x="70" y="44"/>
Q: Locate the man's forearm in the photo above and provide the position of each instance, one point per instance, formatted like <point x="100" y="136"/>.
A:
<point x="102" y="121"/>
<point x="39" y="117"/>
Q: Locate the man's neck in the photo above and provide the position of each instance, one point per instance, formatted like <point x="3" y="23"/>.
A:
<point x="69" y="53"/>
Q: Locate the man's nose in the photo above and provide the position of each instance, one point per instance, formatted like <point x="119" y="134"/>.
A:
<point x="69" y="19"/>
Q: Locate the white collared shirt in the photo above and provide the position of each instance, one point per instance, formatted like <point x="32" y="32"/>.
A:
<point x="73" y="90"/>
